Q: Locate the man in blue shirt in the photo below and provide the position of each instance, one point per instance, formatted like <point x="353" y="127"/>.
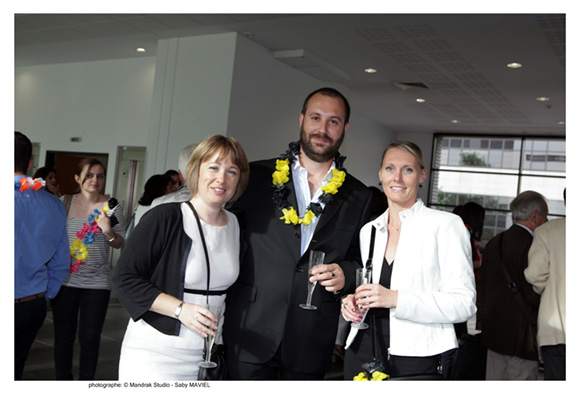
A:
<point x="41" y="252"/>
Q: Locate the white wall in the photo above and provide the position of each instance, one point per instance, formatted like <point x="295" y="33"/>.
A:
<point x="106" y="103"/>
<point x="193" y="80"/>
<point x="194" y="87"/>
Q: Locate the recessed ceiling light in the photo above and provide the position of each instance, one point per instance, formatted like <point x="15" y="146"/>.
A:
<point x="370" y="70"/>
<point x="141" y="50"/>
<point x="542" y="98"/>
<point x="560" y="122"/>
<point x="420" y="100"/>
<point x="454" y="121"/>
<point x="514" y="65"/>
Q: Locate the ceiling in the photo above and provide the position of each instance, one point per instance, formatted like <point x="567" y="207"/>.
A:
<point x="457" y="63"/>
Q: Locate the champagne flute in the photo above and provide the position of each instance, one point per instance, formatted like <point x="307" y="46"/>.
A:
<point x="210" y="339"/>
<point x="316" y="258"/>
<point x="363" y="276"/>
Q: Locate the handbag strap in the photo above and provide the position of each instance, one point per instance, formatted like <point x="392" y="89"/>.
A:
<point x="369" y="265"/>
<point x="204" y="246"/>
<point x="513" y="288"/>
<point x="67" y="201"/>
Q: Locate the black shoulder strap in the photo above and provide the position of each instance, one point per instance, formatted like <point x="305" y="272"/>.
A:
<point x="204" y="246"/>
<point x="512" y="286"/>
<point x="369" y="263"/>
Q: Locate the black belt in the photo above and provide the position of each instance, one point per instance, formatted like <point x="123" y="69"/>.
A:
<point x="204" y="292"/>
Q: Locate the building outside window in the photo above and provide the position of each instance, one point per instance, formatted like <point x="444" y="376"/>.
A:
<point x="492" y="171"/>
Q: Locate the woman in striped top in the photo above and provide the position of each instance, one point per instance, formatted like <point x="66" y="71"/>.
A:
<point x="84" y="296"/>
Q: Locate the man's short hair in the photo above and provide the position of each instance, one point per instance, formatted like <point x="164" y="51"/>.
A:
<point x="330" y="92"/>
<point x="22" y="152"/>
<point x="526" y="203"/>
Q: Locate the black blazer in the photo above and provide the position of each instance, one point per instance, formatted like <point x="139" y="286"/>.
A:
<point x="504" y="326"/>
<point x="262" y="308"/>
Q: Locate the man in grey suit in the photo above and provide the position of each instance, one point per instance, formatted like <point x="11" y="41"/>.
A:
<point x="301" y="202"/>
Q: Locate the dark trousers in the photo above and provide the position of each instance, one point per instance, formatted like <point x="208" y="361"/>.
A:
<point x="554" y="362"/>
<point x="272" y="370"/>
<point x="85" y="309"/>
<point x="28" y="318"/>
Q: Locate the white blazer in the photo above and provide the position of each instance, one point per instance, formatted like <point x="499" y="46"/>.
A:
<point x="433" y="274"/>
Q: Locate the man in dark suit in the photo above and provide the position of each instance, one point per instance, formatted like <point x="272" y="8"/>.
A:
<point x="506" y="327"/>
<point x="268" y="336"/>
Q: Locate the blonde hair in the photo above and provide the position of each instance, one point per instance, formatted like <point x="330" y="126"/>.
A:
<point x="405" y="146"/>
<point x="226" y="146"/>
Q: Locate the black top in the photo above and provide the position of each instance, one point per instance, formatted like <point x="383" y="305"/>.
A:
<point x="153" y="261"/>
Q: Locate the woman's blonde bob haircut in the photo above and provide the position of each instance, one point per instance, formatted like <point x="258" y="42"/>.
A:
<point x="227" y="147"/>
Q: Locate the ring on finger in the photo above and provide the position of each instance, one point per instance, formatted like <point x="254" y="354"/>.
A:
<point x="332" y="273"/>
<point x="197" y="317"/>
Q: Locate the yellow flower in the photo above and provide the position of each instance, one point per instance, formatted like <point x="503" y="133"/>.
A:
<point x="378" y="376"/>
<point x="330" y="187"/>
<point x="338" y="176"/>
<point x="283" y="165"/>
<point x="290" y="216"/>
<point x="360" y="377"/>
<point x="307" y="219"/>
<point x="77" y="243"/>
<point x="280" y="176"/>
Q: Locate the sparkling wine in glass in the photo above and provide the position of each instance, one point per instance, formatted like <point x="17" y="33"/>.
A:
<point x="316" y="258"/>
<point x="363" y="276"/>
<point x="210" y="339"/>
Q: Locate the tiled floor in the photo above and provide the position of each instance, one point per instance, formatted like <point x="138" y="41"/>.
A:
<point x="40" y="364"/>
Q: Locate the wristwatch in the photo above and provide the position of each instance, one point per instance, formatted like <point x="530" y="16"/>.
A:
<point x="178" y="310"/>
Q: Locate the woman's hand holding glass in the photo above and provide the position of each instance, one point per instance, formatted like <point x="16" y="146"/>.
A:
<point x="349" y="309"/>
<point x="373" y="295"/>
<point x="199" y="319"/>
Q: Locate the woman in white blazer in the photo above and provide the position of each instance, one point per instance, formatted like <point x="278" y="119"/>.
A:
<point x="422" y="278"/>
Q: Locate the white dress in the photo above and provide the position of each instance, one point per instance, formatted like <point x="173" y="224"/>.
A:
<point x="149" y="355"/>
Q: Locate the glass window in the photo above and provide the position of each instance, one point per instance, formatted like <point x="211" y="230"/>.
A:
<point x="493" y="171"/>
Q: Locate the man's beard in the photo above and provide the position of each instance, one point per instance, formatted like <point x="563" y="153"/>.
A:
<point x="308" y="147"/>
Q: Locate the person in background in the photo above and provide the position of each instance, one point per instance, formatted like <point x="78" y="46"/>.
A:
<point x="422" y="278"/>
<point x="473" y="216"/>
<point x="300" y="202"/>
<point x="161" y="276"/>
<point x="41" y="252"/>
<point x="49" y="176"/>
<point x="546" y="272"/>
<point x="81" y="305"/>
<point x="507" y="323"/>
<point x="182" y="194"/>
<point x="156" y="186"/>
<point x="176" y="180"/>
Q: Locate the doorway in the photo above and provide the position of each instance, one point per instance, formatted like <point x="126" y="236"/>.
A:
<point x="65" y="164"/>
